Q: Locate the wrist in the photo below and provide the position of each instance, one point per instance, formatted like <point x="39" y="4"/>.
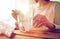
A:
<point x="52" y="28"/>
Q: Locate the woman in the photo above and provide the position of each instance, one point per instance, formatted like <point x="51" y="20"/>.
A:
<point x="45" y="13"/>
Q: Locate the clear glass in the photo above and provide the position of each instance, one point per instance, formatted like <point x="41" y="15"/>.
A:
<point x="24" y="23"/>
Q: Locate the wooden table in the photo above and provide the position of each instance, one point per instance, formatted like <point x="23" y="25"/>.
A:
<point x="35" y="33"/>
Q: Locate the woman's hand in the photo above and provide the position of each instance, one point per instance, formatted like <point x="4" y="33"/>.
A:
<point x="41" y="20"/>
<point x="17" y="12"/>
<point x="14" y="14"/>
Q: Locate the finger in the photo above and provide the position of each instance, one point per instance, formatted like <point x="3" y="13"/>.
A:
<point x="14" y="11"/>
<point x="16" y="23"/>
<point x="36" y="23"/>
<point x="17" y="11"/>
<point x="39" y="25"/>
<point x="14" y="16"/>
<point x="35" y="18"/>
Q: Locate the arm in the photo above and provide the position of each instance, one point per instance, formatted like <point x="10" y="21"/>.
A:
<point x="57" y="16"/>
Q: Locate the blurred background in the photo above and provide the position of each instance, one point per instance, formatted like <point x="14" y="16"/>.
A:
<point x="7" y="5"/>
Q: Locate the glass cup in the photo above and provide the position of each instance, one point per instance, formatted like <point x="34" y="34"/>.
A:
<point x="24" y="23"/>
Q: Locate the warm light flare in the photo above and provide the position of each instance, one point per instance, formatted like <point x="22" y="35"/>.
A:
<point x="6" y="7"/>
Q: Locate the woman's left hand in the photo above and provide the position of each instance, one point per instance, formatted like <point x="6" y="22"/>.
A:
<point x="41" y="20"/>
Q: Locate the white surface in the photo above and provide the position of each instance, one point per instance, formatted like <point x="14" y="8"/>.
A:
<point x="56" y="0"/>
